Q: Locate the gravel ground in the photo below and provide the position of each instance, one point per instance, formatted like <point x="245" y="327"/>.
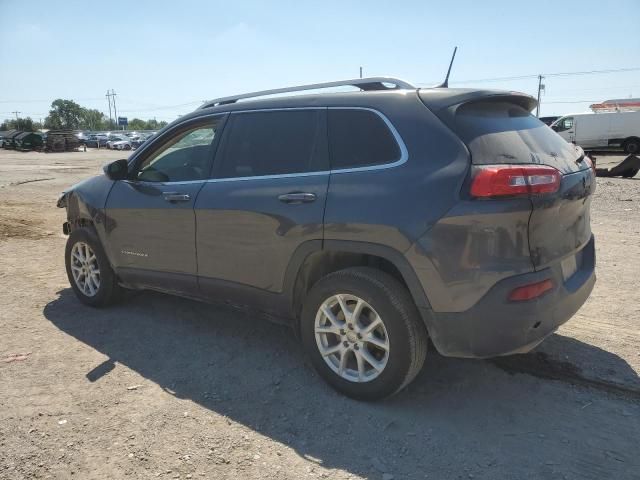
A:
<point x="163" y="387"/>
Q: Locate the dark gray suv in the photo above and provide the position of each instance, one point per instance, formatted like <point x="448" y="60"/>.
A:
<point x="370" y="220"/>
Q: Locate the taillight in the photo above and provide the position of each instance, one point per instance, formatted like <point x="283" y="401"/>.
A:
<point x="502" y="180"/>
<point x="531" y="291"/>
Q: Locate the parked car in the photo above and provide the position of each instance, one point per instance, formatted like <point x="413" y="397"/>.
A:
<point x="549" y="120"/>
<point x="9" y="139"/>
<point x="138" y="141"/>
<point x="120" y="145"/>
<point x="83" y="137"/>
<point x="29" y="141"/>
<point x="369" y="221"/>
<point x="95" y="141"/>
<point x="601" y="130"/>
<point x="116" y="138"/>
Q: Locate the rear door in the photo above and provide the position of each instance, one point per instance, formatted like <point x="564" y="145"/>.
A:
<point x="265" y="200"/>
<point x="498" y="131"/>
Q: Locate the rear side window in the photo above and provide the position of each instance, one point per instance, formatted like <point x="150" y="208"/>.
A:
<point x="360" y="138"/>
<point x="502" y="132"/>
<point x="273" y="143"/>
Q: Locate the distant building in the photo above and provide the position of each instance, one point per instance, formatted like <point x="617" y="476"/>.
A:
<point x="617" y="105"/>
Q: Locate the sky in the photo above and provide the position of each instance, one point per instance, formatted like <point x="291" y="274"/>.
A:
<point x="164" y="58"/>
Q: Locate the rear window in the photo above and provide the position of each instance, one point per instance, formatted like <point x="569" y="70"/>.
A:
<point x="360" y="138"/>
<point x="501" y="132"/>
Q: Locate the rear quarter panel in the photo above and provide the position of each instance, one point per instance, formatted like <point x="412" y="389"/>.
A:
<point x="394" y="206"/>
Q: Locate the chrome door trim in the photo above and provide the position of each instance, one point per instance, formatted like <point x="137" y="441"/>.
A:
<point x="404" y="153"/>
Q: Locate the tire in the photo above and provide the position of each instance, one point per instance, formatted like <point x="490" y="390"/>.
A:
<point x="127" y="147"/>
<point x="402" y="330"/>
<point x="108" y="291"/>
<point x="632" y="146"/>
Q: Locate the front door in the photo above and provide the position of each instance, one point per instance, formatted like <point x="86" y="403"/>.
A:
<point x="150" y="217"/>
<point x="265" y="200"/>
<point x="566" y="129"/>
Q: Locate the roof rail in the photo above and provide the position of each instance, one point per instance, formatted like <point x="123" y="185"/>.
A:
<point x="371" y="83"/>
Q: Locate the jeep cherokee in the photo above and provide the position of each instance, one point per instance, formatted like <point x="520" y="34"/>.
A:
<point x="371" y="221"/>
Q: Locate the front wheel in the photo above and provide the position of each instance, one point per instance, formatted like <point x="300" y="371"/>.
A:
<point x="88" y="269"/>
<point x="363" y="333"/>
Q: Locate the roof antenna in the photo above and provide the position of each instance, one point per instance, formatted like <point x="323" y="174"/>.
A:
<point x="445" y="84"/>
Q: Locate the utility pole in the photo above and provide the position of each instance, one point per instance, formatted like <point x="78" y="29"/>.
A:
<point x="115" y="110"/>
<point x="108" y="95"/>
<point x="360" y="72"/>
<point x="540" y="90"/>
<point x="16" y="114"/>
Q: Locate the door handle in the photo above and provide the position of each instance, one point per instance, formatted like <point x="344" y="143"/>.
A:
<point x="176" y="197"/>
<point x="297" y="197"/>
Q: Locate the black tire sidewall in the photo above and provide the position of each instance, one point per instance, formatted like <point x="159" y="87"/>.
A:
<point x="628" y="150"/>
<point x="107" y="278"/>
<point x="399" y="362"/>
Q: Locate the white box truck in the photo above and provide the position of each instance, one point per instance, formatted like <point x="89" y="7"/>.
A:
<point x="601" y="130"/>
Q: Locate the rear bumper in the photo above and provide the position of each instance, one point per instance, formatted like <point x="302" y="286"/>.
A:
<point x="496" y="326"/>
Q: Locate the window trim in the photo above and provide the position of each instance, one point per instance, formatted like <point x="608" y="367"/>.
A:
<point x="270" y="176"/>
<point x="150" y="149"/>
<point x="404" y="153"/>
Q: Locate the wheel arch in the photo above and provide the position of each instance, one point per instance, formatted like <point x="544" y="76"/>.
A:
<point x="626" y="141"/>
<point x="85" y="204"/>
<point x="314" y="260"/>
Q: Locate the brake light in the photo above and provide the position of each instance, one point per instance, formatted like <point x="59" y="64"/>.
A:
<point x="502" y="180"/>
<point x="531" y="291"/>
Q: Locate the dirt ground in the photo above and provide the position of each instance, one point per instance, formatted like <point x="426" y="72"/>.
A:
<point x="163" y="387"/>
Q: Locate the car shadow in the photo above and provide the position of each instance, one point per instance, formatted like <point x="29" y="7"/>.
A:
<point x="477" y="417"/>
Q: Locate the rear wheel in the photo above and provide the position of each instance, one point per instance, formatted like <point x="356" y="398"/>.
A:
<point x="363" y="333"/>
<point x="88" y="269"/>
<point x="632" y="146"/>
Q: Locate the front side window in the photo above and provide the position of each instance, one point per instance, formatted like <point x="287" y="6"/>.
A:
<point x="360" y="138"/>
<point x="185" y="156"/>
<point x="565" y="124"/>
<point x="273" y="143"/>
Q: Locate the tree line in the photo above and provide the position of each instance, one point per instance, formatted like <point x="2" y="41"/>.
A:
<point x="68" y="115"/>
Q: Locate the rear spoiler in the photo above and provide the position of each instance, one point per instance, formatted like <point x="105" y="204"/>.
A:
<point x="438" y="99"/>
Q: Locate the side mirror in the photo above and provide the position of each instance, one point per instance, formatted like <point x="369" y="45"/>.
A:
<point x="117" y="170"/>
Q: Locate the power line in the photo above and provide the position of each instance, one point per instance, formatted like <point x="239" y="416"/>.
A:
<point x="165" y="107"/>
<point x="575" y="101"/>
<point x="593" y="72"/>
<point x="47" y="100"/>
<point x="111" y="94"/>
<point x="553" y="74"/>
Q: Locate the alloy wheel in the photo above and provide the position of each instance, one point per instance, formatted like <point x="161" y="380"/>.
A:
<point x="352" y="338"/>
<point x="85" y="269"/>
